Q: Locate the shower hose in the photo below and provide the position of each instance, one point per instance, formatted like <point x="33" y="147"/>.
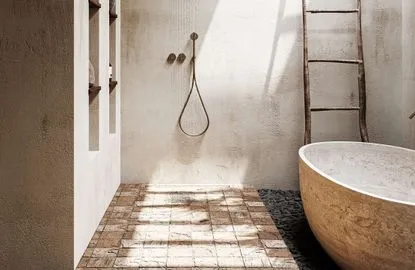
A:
<point x="194" y="37"/>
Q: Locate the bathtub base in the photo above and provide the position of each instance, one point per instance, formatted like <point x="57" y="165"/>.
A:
<point x="358" y="231"/>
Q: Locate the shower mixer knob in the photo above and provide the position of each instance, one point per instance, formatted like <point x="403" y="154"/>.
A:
<point x="181" y="58"/>
<point x="171" y="58"/>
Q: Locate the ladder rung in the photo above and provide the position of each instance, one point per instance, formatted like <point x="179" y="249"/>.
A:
<point x="325" y="109"/>
<point x="340" y="61"/>
<point x="315" y="11"/>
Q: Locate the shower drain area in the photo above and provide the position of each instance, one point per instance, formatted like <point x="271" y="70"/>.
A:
<point x="187" y="227"/>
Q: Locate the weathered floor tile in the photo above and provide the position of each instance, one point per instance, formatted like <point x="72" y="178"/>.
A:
<point x="131" y="243"/>
<point x="154" y="252"/>
<point x="130" y="252"/>
<point x="283" y="263"/>
<point x="105" y="252"/>
<point x="109" y="243"/>
<point x="274" y="243"/>
<point x="88" y="252"/>
<point x="193" y="227"/>
<point x="83" y="262"/>
<point x="269" y="236"/>
<point x="180" y="251"/>
<point x="257" y="262"/>
<point x="153" y="262"/>
<point x="281" y="253"/>
<point x="101" y="262"/>
<point x="228" y="251"/>
<point x="206" y="262"/>
<point x="93" y="243"/>
<point x="111" y="235"/>
<point x="115" y="228"/>
<point x="127" y="262"/>
<point x="180" y="262"/>
<point x="230" y="262"/>
<point x="204" y="251"/>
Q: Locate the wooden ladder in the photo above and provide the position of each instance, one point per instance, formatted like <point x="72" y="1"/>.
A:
<point x="361" y="77"/>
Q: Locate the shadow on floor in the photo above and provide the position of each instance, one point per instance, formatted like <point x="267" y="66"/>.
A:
<point x="287" y="212"/>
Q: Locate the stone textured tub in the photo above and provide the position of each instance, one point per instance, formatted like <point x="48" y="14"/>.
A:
<point x="359" y="199"/>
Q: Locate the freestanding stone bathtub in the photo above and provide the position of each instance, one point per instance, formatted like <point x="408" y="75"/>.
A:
<point x="359" y="199"/>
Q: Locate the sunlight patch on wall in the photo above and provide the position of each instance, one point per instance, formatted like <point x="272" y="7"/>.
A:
<point x="241" y="34"/>
<point x="219" y="170"/>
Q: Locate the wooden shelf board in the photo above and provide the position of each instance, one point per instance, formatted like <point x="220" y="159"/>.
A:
<point x="113" y="84"/>
<point x="94" y="89"/>
<point x="94" y="4"/>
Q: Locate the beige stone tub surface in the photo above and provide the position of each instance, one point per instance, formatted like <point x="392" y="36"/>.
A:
<point x="382" y="171"/>
<point x="359" y="199"/>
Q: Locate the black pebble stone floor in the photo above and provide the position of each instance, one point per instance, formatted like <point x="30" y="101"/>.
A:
<point x="287" y="212"/>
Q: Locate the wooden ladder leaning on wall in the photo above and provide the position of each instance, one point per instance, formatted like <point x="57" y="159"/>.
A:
<point x="361" y="77"/>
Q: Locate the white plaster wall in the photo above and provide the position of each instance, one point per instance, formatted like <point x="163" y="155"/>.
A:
<point x="36" y="134"/>
<point x="250" y="75"/>
<point x="97" y="173"/>
<point x="383" y="28"/>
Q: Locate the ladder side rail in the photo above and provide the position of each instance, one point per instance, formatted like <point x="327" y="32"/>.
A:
<point x="361" y="77"/>
<point x="307" y="102"/>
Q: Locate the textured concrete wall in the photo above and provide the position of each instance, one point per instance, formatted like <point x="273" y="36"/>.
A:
<point x="408" y="65"/>
<point x="97" y="173"/>
<point x="250" y="75"/>
<point x="36" y="134"/>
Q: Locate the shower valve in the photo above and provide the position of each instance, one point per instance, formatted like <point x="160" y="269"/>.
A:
<point x="171" y="58"/>
<point x="181" y="58"/>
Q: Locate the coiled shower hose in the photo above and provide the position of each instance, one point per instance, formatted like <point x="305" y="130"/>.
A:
<point x="194" y="37"/>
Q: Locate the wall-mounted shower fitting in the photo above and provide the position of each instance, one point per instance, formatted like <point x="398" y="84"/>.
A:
<point x="194" y="36"/>
<point x="181" y="58"/>
<point x="195" y="88"/>
<point x="171" y="58"/>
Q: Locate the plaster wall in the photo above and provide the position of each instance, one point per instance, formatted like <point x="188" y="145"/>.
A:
<point x="408" y="66"/>
<point x="249" y="69"/>
<point x="97" y="173"/>
<point x="36" y="134"/>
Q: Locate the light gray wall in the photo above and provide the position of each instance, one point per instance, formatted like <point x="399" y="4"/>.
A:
<point x="36" y="134"/>
<point x="97" y="173"/>
<point x="250" y="75"/>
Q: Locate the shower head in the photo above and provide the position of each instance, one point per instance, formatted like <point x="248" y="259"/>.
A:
<point x="194" y="36"/>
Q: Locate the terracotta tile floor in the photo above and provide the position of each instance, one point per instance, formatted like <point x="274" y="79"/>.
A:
<point x="185" y="227"/>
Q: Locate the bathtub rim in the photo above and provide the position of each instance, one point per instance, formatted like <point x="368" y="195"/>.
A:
<point x="308" y="163"/>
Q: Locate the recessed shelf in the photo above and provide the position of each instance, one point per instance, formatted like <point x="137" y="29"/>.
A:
<point x="94" y="4"/>
<point x="113" y="16"/>
<point x="94" y="89"/>
<point x="113" y="84"/>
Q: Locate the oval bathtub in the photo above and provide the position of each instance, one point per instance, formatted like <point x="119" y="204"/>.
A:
<point x="359" y="199"/>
